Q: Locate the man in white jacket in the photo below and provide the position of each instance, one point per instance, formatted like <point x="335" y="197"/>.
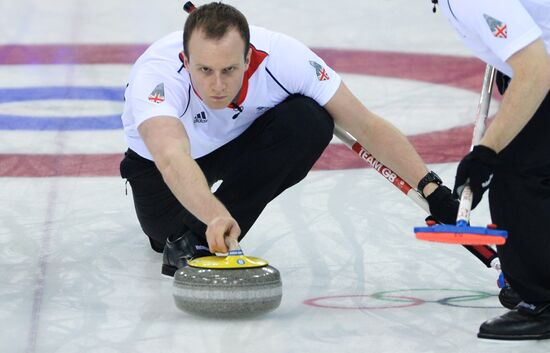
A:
<point x="513" y="157"/>
<point x="247" y="106"/>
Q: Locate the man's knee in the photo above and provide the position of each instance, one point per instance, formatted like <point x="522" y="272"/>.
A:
<point x="305" y="121"/>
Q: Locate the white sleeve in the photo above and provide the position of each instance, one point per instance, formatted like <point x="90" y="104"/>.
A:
<point x="502" y="25"/>
<point x="152" y="94"/>
<point x="299" y="70"/>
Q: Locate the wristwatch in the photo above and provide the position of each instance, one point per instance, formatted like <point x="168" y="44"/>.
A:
<point x="431" y="177"/>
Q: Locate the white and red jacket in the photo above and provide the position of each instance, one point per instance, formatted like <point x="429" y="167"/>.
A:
<point x="496" y="29"/>
<point x="159" y="85"/>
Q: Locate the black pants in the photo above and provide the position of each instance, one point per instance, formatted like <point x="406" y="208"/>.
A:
<point x="519" y="200"/>
<point x="274" y="153"/>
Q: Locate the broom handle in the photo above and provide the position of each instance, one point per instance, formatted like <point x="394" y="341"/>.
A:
<point x="386" y="172"/>
<point x="464" y="210"/>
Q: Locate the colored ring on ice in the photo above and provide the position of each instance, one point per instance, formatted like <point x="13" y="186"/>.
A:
<point x="324" y="302"/>
<point x="65" y="123"/>
<point x="452" y="301"/>
<point x="449" y="301"/>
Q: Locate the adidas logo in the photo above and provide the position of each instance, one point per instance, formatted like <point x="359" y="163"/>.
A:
<point x="487" y="182"/>
<point x="200" y="118"/>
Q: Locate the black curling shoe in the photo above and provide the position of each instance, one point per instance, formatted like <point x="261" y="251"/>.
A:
<point x="525" y="322"/>
<point x="182" y="249"/>
<point x="508" y="297"/>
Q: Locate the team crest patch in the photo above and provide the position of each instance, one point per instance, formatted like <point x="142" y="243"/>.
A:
<point x="319" y="71"/>
<point x="498" y="28"/>
<point x="157" y="95"/>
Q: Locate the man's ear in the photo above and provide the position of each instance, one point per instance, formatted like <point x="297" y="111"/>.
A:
<point x="184" y="60"/>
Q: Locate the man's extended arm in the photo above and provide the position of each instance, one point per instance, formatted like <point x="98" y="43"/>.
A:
<point x="168" y="143"/>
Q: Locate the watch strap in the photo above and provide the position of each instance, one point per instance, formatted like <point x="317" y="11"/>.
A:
<point x="431" y="177"/>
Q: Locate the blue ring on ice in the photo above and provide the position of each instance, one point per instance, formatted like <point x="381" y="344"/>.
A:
<point x="64" y="123"/>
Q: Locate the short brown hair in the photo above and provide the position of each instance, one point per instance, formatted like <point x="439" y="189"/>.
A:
<point x="215" y="19"/>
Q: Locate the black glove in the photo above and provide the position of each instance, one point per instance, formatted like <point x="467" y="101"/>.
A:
<point x="476" y="169"/>
<point x="443" y="206"/>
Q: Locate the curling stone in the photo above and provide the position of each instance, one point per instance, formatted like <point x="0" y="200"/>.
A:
<point x="230" y="286"/>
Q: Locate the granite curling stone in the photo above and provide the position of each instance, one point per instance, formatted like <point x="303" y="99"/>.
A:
<point x="227" y="286"/>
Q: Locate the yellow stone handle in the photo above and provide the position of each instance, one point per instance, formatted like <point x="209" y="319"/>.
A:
<point x="233" y="246"/>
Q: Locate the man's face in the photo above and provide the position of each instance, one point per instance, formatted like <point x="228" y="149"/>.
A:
<point x="216" y="66"/>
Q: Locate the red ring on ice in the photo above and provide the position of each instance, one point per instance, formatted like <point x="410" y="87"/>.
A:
<point x="316" y="302"/>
